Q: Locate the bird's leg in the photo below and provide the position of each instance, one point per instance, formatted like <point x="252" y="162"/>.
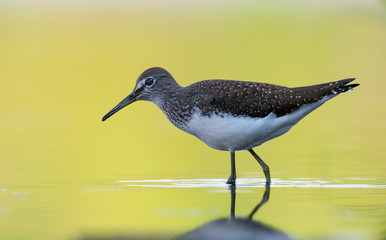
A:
<point x="232" y="177"/>
<point x="263" y="165"/>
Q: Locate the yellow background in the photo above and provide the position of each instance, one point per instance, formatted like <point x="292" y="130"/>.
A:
<point x="64" y="64"/>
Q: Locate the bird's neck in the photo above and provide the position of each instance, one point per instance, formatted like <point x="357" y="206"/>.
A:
<point x="172" y="99"/>
<point x="174" y="105"/>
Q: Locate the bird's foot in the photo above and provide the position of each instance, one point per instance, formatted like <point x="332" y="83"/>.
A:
<point x="231" y="179"/>
<point x="267" y="177"/>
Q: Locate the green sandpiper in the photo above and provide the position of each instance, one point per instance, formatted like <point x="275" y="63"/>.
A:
<point x="231" y="115"/>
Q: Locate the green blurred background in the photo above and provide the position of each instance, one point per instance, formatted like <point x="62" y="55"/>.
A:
<point x="64" y="64"/>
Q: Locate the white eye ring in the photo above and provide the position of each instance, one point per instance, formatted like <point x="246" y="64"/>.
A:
<point x="149" y="81"/>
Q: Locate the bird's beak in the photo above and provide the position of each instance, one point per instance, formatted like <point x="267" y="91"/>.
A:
<point x="129" y="99"/>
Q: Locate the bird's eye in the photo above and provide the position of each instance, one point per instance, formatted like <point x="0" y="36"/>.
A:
<point x="149" y="81"/>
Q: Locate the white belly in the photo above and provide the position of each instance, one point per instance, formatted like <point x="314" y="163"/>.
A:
<point x="230" y="133"/>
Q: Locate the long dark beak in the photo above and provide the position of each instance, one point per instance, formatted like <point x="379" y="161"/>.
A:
<point x="129" y="99"/>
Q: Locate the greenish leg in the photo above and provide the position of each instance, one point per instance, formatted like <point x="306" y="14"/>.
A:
<point x="232" y="177"/>
<point x="263" y="165"/>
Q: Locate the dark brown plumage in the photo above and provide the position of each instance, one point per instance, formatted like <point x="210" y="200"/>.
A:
<point x="258" y="99"/>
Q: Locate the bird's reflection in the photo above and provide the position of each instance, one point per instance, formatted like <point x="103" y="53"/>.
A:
<point x="233" y="228"/>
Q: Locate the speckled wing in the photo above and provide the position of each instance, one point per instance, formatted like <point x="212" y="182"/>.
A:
<point x="259" y="99"/>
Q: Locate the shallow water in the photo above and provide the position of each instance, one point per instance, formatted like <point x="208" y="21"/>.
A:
<point x="305" y="208"/>
<point x="244" y="182"/>
<point x="66" y="175"/>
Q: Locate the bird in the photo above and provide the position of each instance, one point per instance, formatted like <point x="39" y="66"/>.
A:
<point x="230" y="115"/>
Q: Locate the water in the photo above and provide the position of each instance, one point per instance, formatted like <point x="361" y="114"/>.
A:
<point x="164" y="208"/>
<point x="66" y="175"/>
<point x="244" y="182"/>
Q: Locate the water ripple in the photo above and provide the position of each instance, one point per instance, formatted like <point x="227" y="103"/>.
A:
<point x="248" y="182"/>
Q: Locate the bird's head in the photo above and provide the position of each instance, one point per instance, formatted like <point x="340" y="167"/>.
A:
<point x="151" y="85"/>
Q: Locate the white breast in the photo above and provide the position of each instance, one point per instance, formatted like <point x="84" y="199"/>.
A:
<point x="229" y="133"/>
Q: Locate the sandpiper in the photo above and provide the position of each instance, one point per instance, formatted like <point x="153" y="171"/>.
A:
<point x="231" y="115"/>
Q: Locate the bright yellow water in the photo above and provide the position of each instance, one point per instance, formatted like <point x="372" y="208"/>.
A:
<point x="64" y="174"/>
